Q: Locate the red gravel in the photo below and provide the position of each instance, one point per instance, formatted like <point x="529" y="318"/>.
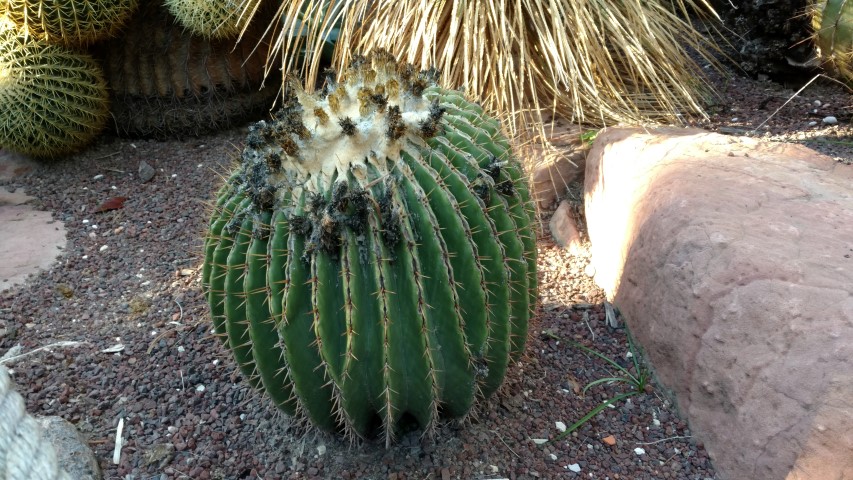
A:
<point x="187" y="412"/>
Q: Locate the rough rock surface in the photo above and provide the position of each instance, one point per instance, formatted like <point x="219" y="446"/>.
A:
<point x="30" y="239"/>
<point x="72" y="451"/>
<point x="564" y="229"/>
<point x="732" y="261"/>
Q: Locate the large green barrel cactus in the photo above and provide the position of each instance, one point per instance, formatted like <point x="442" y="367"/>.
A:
<point x="371" y="263"/>
<point x="53" y="101"/>
<point x="833" y="24"/>
<point x="69" y="22"/>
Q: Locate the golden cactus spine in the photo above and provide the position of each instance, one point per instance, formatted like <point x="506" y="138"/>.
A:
<point x="213" y="18"/>
<point x="69" y="22"/>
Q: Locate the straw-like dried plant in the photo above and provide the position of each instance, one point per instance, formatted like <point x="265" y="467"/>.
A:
<point x="596" y="62"/>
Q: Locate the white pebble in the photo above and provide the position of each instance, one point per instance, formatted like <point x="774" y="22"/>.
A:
<point x="104" y="247"/>
<point x="174" y="175"/>
<point x="639" y="451"/>
<point x="172" y="429"/>
<point x="735" y="119"/>
<point x="85" y="257"/>
<point x="830" y="120"/>
<point x="97" y="177"/>
<point x="812" y="123"/>
<point x="540" y="441"/>
<point x="85" y="221"/>
<point x="552" y="456"/>
<point x="94" y="226"/>
<point x="216" y="362"/>
<point x="817" y="103"/>
<point x="199" y="388"/>
<point x="560" y="426"/>
<point x="321" y="450"/>
<point x="493" y="469"/>
<point x="114" y="187"/>
<point x="575" y="468"/>
<point x="145" y="283"/>
<point x="181" y="348"/>
<point x="629" y="355"/>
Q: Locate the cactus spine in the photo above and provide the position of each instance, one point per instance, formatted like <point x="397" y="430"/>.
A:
<point x="53" y="101"/>
<point x="371" y="263"/>
<point x="833" y="24"/>
<point x="69" y="22"/>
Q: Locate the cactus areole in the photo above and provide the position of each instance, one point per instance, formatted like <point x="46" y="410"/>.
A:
<point x="371" y="262"/>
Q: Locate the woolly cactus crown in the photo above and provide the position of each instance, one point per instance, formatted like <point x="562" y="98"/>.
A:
<point x="364" y="122"/>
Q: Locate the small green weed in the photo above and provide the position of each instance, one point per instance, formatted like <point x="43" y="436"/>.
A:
<point x="637" y="378"/>
<point x="588" y="136"/>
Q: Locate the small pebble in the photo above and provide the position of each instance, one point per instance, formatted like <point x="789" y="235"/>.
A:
<point x="560" y="426"/>
<point x="812" y="123"/>
<point x="103" y="248"/>
<point x="97" y="177"/>
<point x="540" y="441"/>
<point x="575" y="468"/>
<point x="609" y="440"/>
<point x="552" y="456"/>
<point x="639" y="451"/>
<point x="830" y="120"/>
<point x="199" y="388"/>
<point x="817" y="103"/>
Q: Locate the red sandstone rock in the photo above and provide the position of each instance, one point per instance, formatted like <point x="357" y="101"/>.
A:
<point x="732" y="261"/>
<point x="564" y="229"/>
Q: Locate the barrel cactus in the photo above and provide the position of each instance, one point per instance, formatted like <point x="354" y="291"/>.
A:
<point x="166" y="82"/>
<point x="833" y="24"/>
<point x="53" y="101"/>
<point x="213" y="18"/>
<point x="69" y="22"/>
<point x="371" y="262"/>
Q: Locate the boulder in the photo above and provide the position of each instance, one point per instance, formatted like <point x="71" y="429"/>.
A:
<point x="564" y="228"/>
<point x="731" y="259"/>
<point x="72" y="450"/>
<point x="30" y="239"/>
<point x="559" y="163"/>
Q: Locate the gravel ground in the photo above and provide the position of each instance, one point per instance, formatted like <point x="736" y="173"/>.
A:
<point x="126" y="293"/>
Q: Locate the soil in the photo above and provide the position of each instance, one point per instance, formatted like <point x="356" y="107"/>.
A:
<point x="126" y="293"/>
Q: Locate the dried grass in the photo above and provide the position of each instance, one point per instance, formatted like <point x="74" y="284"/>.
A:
<point x="593" y="62"/>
